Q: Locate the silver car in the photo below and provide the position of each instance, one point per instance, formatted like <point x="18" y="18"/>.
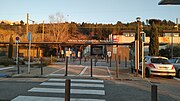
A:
<point x="176" y="62"/>
<point x="155" y="65"/>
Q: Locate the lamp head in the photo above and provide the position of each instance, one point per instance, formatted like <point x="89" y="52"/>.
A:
<point x="138" y="19"/>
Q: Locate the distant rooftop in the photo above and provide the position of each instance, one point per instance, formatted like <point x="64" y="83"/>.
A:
<point x="169" y="2"/>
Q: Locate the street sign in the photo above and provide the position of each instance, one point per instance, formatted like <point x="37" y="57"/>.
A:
<point x="17" y="39"/>
<point x="79" y="54"/>
<point x="109" y="53"/>
<point x="62" y="52"/>
<point x="114" y="50"/>
<point x="29" y="36"/>
<point x="143" y="36"/>
<point x="68" y="53"/>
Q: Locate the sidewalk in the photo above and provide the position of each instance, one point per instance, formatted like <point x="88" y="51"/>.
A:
<point x="35" y="72"/>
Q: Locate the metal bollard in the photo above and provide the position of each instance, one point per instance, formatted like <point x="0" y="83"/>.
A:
<point x="91" y="67"/>
<point x="131" y="65"/>
<point x="153" y="92"/>
<point x="41" y="67"/>
<point x="110" y="62"/>
<point x="67" y="89"/>
<point x="119" y="58"/>
<point x="66" y="66"/>
<point x="125" y="61"/>
<point x="80" y="61"/>
<point x="18" y="65"/>
<point x="107" y="58"/>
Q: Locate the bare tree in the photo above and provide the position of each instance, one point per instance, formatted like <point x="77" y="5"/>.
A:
<point x="58" y="28"/>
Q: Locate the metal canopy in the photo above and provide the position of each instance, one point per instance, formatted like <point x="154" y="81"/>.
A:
<point x="169" y="2"/>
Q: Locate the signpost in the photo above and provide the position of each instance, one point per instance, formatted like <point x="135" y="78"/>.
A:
<point x="109" y="53"/>
<point x="114" y="50"/>
<point x="115" y="53"/>
<point x="79" y="56"/>
<point x="29" y="39"/>
<point x="62" y="53"/>
<point x="17" y="59"/>
<point x="68" y="53"/>
<point x="143" y="62"/>
<point x="109" y="56"/>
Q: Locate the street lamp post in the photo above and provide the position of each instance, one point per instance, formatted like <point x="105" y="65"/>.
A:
<point x="137" y="46"/>
<point x="143" y="61"/>
<point x="29" y="39"/>
<point x="172" y="38"/>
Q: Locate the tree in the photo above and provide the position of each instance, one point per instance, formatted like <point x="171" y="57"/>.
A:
<point x="21" y="22"/>
<point x="10" y="49"/>
<point x="154" y="41"/>
<point x="58" y="28"/>
<point x="167" y="51"/>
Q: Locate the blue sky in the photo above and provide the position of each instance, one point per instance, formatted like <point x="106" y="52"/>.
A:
<point x="93" y="11"/>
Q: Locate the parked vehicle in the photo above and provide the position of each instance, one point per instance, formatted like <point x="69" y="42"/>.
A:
<point x="155" y="65"/>
<point x="21" y="60"/>
<point x="176" y="62"/>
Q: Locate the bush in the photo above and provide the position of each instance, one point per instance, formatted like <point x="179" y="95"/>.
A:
<point x="47" y="60"/>
<point x="27" y="59"/>
<point x="167" y="52"/>
<point x="6" y="61"/>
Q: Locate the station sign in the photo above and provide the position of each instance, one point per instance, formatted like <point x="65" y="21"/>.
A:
<point x="29" y="36"/>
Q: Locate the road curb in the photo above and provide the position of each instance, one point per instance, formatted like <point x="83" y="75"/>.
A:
<point x="175" y="78"/>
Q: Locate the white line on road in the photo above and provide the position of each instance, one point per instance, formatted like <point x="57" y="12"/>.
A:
<point x="72" y="84"/>
<point x="88" y="80"/>
<point x="37" y="98"/>
<point x="109" y="71"/>
<point x="100" y="76"/>
<point x="6" y="68"/>
<point x="76" y="65"/>
<point x="55" y="71"/>
<point x="73" y="91"/>
<point x="103" y="76"/>
<point x="82" y="72"/>
<point x="79" y="80"/>
<point x="60" y="75"/>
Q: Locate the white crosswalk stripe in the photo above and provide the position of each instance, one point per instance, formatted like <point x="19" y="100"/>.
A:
<point x="83" y="89"/>
<point x="72" y="84"/>
<point x="79" y="80"/>
<point x="35" y="98"/>
<point x="73" y="91"/>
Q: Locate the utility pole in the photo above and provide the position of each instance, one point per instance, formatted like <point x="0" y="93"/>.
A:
<point x="27" y="25"/>
<point x="177" y="24"/>
<point x="137" y="46"/>
<point x="172" y="38"/>
<point x="43" y="32"/>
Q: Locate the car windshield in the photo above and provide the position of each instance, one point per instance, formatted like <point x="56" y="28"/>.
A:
<point x="160" y="60"/>
<point x="172" y="60"/>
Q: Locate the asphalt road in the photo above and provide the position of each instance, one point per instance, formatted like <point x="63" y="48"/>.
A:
<point x="103" y="86"/>
<point x="114" y="90"/>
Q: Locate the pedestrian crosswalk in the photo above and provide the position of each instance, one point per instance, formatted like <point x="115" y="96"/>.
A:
<point x="54" y="90"/>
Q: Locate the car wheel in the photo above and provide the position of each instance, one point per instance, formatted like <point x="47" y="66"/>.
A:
<point x="147" y="74"/>
<point x="178" y="74"/>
